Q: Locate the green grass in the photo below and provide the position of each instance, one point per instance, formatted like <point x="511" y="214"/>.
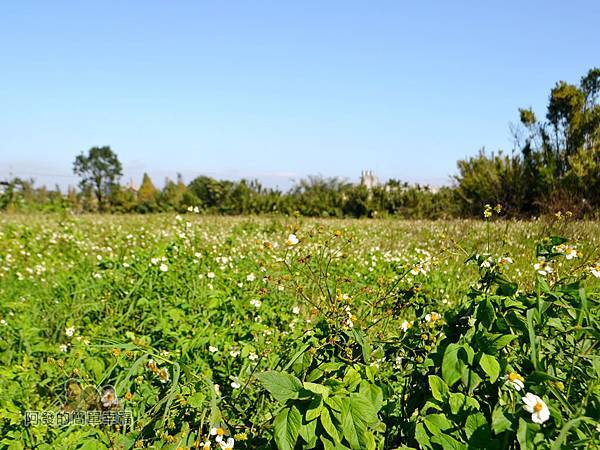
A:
<point x="135" y="288"/>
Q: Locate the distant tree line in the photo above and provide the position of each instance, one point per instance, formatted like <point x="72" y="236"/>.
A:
<point x="554" y="165"/>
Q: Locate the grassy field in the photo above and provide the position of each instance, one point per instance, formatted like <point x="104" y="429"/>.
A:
<point x="292" y="333"/>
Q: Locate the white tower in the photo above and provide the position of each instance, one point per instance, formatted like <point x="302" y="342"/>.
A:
<point x="368" y="179"/>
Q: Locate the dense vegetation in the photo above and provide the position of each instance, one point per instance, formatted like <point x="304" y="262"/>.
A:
<point x="555" y="165"/>
<point x="300" y="333"/>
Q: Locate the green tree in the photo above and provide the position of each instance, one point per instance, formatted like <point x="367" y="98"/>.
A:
<point x="147" y="195"/>
<point x="173" y="195"/>
<point x="100" y="171"/>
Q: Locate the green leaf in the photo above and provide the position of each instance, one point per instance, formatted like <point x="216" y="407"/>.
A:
<point x="492" y="343"/>
<point x="499" y="421"/>
<point x="475" y="423"/>
<point x="564" y="432"/>
<point x="296" y="356"/>
<point x="421" y="436"/>
<point x="359" y="336"/>
<point x="458" y="402"/>
<point x="531" y="330"/>
<point x="363" y="409"/>
<point x="352" y="379"/>
<point x="314" y="408"/>
<point x="352" y="428"/>
<point x="96" y="367"/>
<point x="324" y="391"/>
<point x="372" y="393"/>
<point x="437" y="423"/>
<point x="282" y="386"/>
<point x="308" y="433"/>
<point x="369" y="441"/>
<point x="334" y="403"/>
<point x="328" y="445"/>
<point x="196" y="400"/>
<point x="490" y="366"/>
<point x="485" y="313"/>
<point x="470" y="379"/>
<point x="526" y="434"/>
<point x="451" y="365"/>
<point x="506" y="287"/>
<point x="439" y="389"/>
<point x="448" y="442"/>
<point x="287" y="427"/>
<point x="357" y="414"/>
<point x="328" y="425"/>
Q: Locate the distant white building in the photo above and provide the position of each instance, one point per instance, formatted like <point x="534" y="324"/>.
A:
<point x="131" y="185"/>
<point x="368" y="179"/>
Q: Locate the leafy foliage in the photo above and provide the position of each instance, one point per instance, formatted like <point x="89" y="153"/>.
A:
<point x="302" y="334"/>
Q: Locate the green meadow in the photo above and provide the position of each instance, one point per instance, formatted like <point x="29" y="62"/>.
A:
<point x="292" y="333"/>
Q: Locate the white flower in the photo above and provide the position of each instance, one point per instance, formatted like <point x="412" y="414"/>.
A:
<point x="219" y="432"/>
<point x="234" y="353"/>
<point x="419" y="269"/>
<point x="217" y="389"/>
<point x="256" y="303"/>
<point x="70" y="331"/>
<point x="406" y="325"/>
<point x="515" y="380"/>
<point x="292" y="240"/>
<point x="235" y="383"/>
<point x="151" y="365"/>
<point x="109" y="398"/>
<point x="505" y="261"/>
<point x="536" y="406"/>
<point x="571" y="252"/>
<point x="163" y="375"/>
<point x="252" y="356"/>
<point x="205" y="445"/>
<point x="63" y="348"/>
<point x="251" y="277"/>
<point x="212" y="349"/>
<point x="432" y="317"/>
<point x="295" y="310"/>
<point x="595" y="269"/>
<point x="543" y="267"/>
<point x="227" y="445"/>
<point x="487" y="263"/>
<point x="163" y="267"/>
<point x="210" y="275"/>
<point x="3" y="322"/>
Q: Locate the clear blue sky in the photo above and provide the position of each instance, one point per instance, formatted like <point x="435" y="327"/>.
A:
<point x="278" y="89"/>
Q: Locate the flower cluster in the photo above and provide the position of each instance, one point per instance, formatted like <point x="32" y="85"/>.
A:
<point x="162" y="373"/>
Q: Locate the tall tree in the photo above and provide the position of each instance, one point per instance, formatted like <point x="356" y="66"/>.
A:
<point x="147" y="193"/>
<point x="100" y="171"/>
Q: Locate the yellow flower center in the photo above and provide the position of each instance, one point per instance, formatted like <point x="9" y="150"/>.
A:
<point x="538" y="407"/>
<point x="515" y="376"/>
<point x="220" y="431"/>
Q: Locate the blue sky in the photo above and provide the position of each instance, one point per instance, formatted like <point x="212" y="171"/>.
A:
<point x="277" y="90"/>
